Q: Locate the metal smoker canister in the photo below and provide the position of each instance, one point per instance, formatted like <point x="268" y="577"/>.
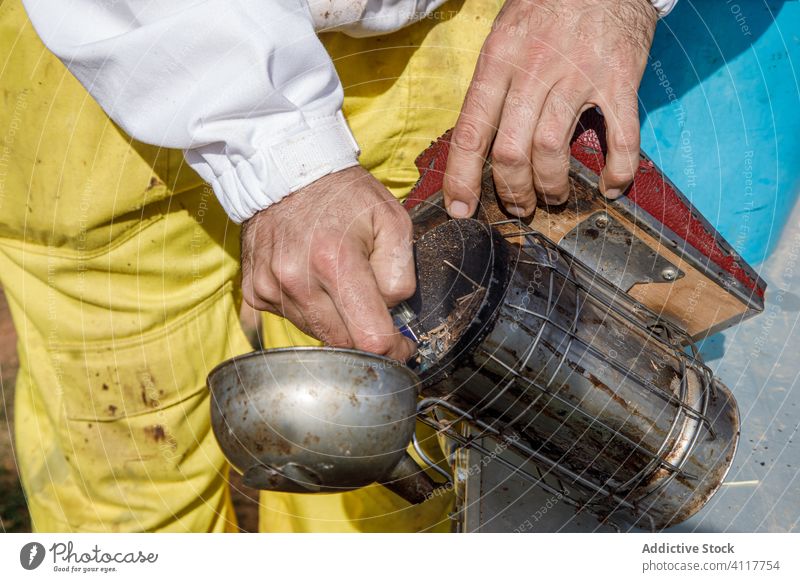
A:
<point x="532" y="348"/>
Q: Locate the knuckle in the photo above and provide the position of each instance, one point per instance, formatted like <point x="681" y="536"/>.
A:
<point x="554" y="183"/>
<point x="508" y="154"/>
<point x="562" y="105"/>
<point x="326" y="331"/>
<point x="289" y="273"/>
<point x="457" y="187"/>
<point x="508" y="196"/>
<point x="468" y="138"/>
<point x="400" y="289"/>
<point x="495" y="48"/>
<point x="260" y="290"/>
<point x="325" y="257"/>
<point x="492" y="45"/>
<point x="549" y="140"/>
<point x="402" y="223"/>
<point x="626" y="140"/>
<point x="520" y="105"/>
<point x="251" y="297"/>
<point x="516" y="197"/>
<point x="537" y="54"/>
<point x="377" y="344"/>
<point x="259" y="293"/>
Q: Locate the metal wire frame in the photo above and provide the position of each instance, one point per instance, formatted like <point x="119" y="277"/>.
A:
<point x="676" y="338"/>
<point x="640" y="317"/>
<point x="670" y="342"/>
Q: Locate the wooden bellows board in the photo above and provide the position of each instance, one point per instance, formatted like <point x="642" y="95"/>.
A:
<point x="651" y="242"/>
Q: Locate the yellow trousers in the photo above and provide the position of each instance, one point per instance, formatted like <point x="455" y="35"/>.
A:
<point x="121" y="272"/>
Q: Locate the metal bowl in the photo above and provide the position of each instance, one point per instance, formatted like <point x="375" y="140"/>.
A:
<point x="313" y="419"/>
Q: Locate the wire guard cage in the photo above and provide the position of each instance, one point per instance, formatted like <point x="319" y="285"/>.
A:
<point x="608" y="405"/>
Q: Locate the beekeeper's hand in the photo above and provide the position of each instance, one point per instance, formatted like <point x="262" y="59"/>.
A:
<point x="544" y="63"/>
<point x="331" y="257"/>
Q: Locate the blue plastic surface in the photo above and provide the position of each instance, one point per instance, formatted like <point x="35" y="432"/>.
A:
<point x="720" y="109"/>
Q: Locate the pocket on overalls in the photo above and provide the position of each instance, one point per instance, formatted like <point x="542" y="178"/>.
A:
<point x="136" y="410"/>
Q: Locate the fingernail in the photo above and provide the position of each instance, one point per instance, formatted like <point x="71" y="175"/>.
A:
<point x="613" y="193"/>
<point x="458" y="209"/>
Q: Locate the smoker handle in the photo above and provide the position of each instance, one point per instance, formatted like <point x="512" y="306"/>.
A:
<point x="409" y="481"/>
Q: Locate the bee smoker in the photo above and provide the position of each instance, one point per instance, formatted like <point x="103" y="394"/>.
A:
<point x="569" y="339"/>
<point x="531" y="348"/>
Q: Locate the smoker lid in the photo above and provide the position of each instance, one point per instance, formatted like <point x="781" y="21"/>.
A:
<point x="461" y="279"/>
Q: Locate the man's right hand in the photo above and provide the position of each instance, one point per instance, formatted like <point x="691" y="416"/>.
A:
<point x="331" y="258"/>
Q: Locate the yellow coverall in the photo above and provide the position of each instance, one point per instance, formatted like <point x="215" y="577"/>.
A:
<point x="122" y="274"/>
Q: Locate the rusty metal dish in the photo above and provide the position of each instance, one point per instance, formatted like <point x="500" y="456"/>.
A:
<point x="318" y="420"/>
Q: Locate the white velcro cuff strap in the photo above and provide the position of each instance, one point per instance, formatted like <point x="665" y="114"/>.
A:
<point x="247" y="186"/>
<point x="314" y="153"/>
<point x="663" y="7"/>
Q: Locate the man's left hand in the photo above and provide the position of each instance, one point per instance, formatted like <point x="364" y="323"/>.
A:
<point x="544" y="63"/>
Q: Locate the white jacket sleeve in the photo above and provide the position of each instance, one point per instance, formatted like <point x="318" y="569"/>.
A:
<point x="244" y="87"/>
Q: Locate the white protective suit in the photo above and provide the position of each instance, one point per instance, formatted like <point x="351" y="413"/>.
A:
<point x="245" y="88"/>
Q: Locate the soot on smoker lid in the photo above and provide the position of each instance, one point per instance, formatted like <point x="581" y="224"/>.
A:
<point x="455" y="263"/>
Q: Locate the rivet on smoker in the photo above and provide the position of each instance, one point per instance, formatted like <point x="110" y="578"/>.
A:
<point x="668" y="274"/>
